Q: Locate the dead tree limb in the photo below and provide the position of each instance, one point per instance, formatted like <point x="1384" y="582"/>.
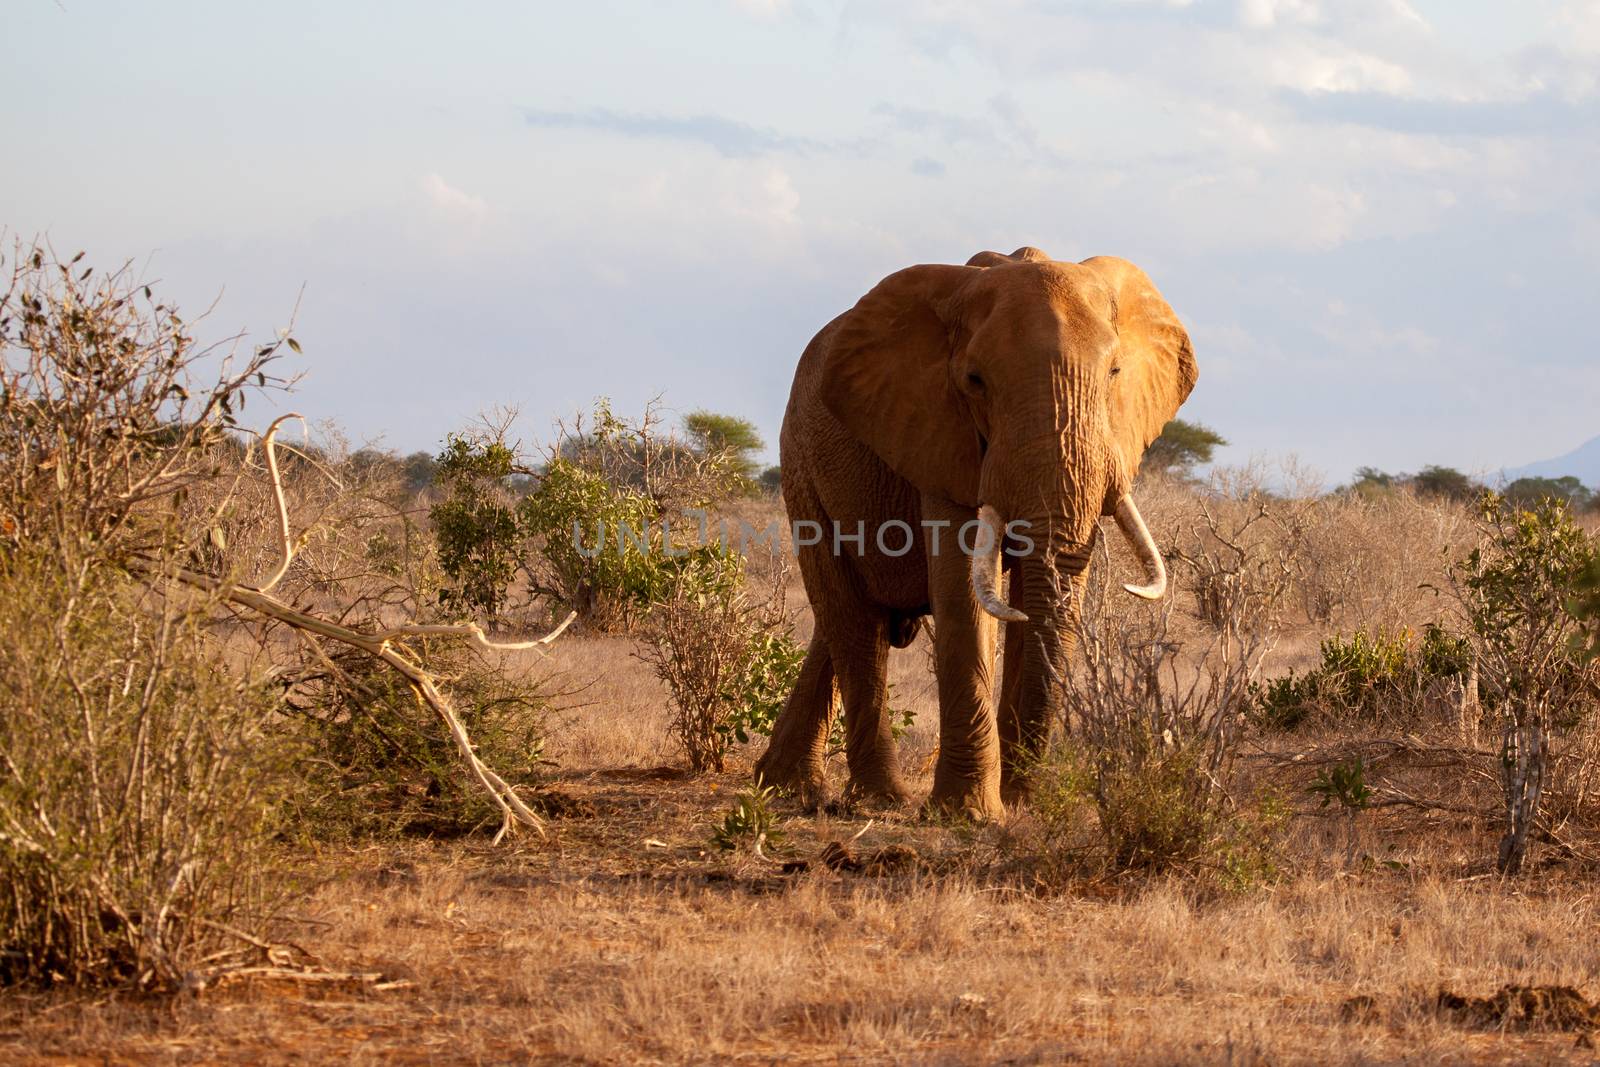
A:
<point x="381" y="644"/>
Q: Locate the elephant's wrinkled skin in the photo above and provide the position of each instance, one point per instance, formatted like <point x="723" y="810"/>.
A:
<point x="1016" y="383"/>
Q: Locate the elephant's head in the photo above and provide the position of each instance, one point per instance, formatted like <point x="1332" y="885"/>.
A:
<point x="1024" y="387"/>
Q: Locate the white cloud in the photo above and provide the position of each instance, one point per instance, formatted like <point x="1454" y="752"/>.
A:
<point x="1580" y="21"/>
<point x="1260" y="14"/>
<point x="448" y="198"/>
<point x="763" y="8"/>
<point x="1328" y="67"/>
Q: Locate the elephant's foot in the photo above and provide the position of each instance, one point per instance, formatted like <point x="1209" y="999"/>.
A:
<point x="877" y="791"/>
<point x="801" y="778"/>
<point x="977" y="799"/>
<point x="1014" y="788"/>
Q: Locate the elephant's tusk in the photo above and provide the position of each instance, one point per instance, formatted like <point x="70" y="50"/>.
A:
<point x="985" y="562"/>
<point x="1144" y="546"/>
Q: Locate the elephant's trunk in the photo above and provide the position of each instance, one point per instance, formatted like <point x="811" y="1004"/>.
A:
<point x="1048" y="588"/>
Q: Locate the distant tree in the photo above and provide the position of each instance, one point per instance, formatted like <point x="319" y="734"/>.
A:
<point x="1181" y="447"/>
<point x="421" y="468"/>
<point x="368" y="460"/>
<point x="1371" y="482"/>
<point x="1445" y="482"/>
<point x="1528" y="492"/>
<point x="711" y="433"/>
<point x="771" y="479"/>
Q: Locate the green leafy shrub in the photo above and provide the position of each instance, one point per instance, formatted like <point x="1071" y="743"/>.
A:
<point x="1517" y="588"/>
<point x="726" y="657"/>
<point x="1365" y="675"/>
<point x="608" y="526"/>
<point x="1443" y="654"/>
<point x="757" y="695"/>
<point x="478" y="526"/>
<point x="606" y="550"/>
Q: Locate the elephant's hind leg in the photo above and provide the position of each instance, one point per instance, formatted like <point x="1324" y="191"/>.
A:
<point x="793" y="759"/>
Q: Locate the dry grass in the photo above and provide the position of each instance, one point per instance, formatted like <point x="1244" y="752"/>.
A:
<point x="626" y="937"/>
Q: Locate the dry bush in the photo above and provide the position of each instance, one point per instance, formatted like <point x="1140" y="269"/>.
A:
<point x="1341" y="561"/>
<point x="136" y="779"/>
<point x="1378" y="563"/>
<point x="724" y="652"/>
<point x="1152" y="733"/>
<point x="376" y="757"/>
<point x="142" y="781"/>
<point x="141" y="749"/>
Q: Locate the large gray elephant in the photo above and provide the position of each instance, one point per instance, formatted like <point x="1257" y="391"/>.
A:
<point x="1010" y="399"/>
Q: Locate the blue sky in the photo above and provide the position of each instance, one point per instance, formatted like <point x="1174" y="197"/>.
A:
<point x="1379" y="219"/>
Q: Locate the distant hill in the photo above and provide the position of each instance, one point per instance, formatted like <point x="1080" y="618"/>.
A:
<point x="1582" y="463"/>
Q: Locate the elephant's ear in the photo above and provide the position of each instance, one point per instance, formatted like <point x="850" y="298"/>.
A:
<point x="887" y="378"/>
<point x="1157" y="360"/>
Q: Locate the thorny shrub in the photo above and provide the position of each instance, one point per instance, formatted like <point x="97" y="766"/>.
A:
<point x="1149" y="749"/>
<point x="1337" y="560"/>
<point x="725" y="652"/>
<point x="378" y="761"/>
<point x="136" y="776"/>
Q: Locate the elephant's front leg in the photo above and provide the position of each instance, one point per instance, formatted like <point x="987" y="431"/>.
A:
<point x="966" y="780"/>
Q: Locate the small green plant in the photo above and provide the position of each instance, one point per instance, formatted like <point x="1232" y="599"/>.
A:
<point x="1443" y="654"/>
<point x="1283" y="703"/>
<point x="750" y="820"/>
<point x="1344" y="784"/>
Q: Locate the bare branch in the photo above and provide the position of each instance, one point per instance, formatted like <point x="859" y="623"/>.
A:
<point x="269" y="444"/>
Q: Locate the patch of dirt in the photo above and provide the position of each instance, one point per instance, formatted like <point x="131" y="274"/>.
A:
<point x="1523" y="1007"/>
<point x="555" y="804"/>
<point x="643" y="774"/>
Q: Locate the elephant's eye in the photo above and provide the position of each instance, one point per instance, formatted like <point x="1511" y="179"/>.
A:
<point x="975" y="381"/>
<point x="1115" y="371"/>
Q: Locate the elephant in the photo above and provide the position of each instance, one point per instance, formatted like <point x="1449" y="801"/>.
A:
<point x="953" y="412"/>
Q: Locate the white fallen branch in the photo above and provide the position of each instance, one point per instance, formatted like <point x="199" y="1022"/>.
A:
<point x="381" y="645"/>
<point x="269" y="442"/>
